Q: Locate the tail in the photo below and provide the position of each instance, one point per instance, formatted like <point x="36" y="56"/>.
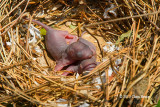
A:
<point x="40" y="24"/>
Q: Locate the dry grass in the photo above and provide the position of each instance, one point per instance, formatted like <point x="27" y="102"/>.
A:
<point x="26" y="74"/>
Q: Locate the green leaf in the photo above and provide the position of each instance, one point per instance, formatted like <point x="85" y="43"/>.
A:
<point x="43" y="31"/>
<point x="158" y="105"/>
<point x="127" y="34"/>
<point x="72" y="26"/>
<point x="121" y="38"/>
<point x="124" y="35"/>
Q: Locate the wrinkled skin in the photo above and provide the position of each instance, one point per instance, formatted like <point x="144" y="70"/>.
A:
<point x="89" y="44"/>
<point x="87" y="65"/>
<point x="79" y="50"/>
<point x="83" y="51"/>
<point x="57" y="42"/>
<point x="83" y="65"/>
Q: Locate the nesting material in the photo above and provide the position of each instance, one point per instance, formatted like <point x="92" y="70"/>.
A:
<point x="127" y="64"/>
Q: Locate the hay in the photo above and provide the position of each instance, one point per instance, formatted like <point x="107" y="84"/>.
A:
<point x="27" y="76"/>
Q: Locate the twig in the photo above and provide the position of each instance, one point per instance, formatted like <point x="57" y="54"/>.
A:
<point x="16" y="19"/>
<point x="123" y="18"/>
<point x="96" y="40"/>
<point x="12" y="10"/>
<point x="14" y="65"/>
<point x="130" y="86"/>
<point x="8" y="98"/>
<point x="20" y="93"/>
<point x="63" y="86"/>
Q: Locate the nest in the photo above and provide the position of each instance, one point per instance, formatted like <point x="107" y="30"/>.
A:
<point x="131" y="29"/>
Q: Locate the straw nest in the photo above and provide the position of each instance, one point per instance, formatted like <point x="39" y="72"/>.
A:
<point x="125" y="32"/>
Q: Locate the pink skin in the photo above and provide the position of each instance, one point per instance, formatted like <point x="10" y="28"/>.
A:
<point x="71" y="39"/>
<point x="72" y="69"/>
<point x="87" y="65"/>
<point x="84" y="65"/>
<point x="89" y="44"/>
<point x="75" y="52"/>
<point x="56" y="44"/>
<point x="81" y="50"/>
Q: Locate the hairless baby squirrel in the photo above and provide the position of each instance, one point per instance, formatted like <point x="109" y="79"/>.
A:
<point x="82" y="65"/>
<point x="66" y="54"/>
<point x="87" y="64"/>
